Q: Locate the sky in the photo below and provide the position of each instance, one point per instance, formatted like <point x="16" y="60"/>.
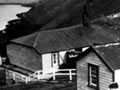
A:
<point x="8" y="12"/>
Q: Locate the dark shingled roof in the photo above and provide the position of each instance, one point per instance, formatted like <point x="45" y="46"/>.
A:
<point x="68" y="38"/>
<point x="110" y="54"/>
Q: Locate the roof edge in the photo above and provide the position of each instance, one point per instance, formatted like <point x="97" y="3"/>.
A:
<point x="102" y="59"/>
<point x="26" y="46"/>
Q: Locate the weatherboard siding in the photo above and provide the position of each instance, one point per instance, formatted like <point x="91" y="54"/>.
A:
<point x="117" y="77"/>
<point x="47" y="62"/>
<point x="24" y="57"/>
<point x="105" y="75"/>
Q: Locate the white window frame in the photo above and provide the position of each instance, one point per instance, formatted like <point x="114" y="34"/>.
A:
<point x="55" y="58"/>
<point x="93" y="74"/>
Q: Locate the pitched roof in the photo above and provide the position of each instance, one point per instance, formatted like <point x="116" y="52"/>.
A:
<point x="110" y="54"/>
<point x="68" y="38"/>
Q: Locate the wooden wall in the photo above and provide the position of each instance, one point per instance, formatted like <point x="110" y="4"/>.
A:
<point x="105" y="75"/>
<point x="48" y="64"/>
<point x="24" y="57"/>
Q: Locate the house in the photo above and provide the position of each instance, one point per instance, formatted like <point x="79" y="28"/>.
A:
<point x="49" y="50"/>
<point x="99" y="68"/>
<point x="45" y="50"/>
<point x="42" y="46"/>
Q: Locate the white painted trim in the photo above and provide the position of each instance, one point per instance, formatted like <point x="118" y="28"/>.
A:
<point x="0" y="60"/>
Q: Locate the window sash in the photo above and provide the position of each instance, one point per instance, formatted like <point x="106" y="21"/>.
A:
<point x="94" y="81"/>
<point x="55" y="59"/>
<point x="93" y="75"/>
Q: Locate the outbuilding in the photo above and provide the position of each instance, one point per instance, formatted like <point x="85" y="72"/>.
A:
<point x="99" y="68"/>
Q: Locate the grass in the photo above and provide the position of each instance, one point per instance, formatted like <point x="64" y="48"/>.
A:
<point x="43" y="86"/>
<point x="62" y="83"/>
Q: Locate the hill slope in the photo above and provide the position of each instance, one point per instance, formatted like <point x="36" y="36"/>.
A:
<point x="51" y="14"/>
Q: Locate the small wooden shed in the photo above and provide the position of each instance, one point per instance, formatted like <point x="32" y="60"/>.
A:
<point x="99" y="67"/>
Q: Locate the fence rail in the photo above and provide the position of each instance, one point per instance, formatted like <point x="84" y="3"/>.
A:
<point x="15" y="75"/>
<point x="38" y="75"/>
<point x="67" y="72"/>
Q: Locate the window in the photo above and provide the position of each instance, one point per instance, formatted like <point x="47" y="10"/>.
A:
<point x="93" y="75"/>
<point x="55" y="59"/>
<point x="72" y="53"/>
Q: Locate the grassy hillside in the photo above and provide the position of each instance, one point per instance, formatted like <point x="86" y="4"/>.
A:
<point x="51" y="14"/>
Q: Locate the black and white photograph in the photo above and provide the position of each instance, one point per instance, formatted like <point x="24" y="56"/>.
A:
<point x="59" y="45"/>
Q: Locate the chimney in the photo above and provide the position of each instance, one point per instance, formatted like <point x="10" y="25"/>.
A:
<point x="85" y="16"/>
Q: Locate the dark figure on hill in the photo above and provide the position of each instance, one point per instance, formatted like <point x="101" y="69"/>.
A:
<point x="85" y="16"/>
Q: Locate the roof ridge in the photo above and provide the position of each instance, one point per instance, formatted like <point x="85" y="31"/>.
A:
<point x="61" y="29"/>
<point x="107" y="45"/>
<point x="36" y="39"/>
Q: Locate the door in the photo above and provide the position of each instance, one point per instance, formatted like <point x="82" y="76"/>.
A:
<point x="55" y="60"/>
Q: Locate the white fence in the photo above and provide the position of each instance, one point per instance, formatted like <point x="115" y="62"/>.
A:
<point x="60" y="72"/>
<point x="64" y="72"/>
<point x="15" y="75"/>
<point x="38" y="75"/>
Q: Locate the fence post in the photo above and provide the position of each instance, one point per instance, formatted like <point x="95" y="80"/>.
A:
<point x="70" y="74"/>
<point x="26" y="79"/>
<point x="13" y="75"/>
<point x="7" y="73"/>
<point x="38" y="75"/>
<point x="53" y="75"/>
